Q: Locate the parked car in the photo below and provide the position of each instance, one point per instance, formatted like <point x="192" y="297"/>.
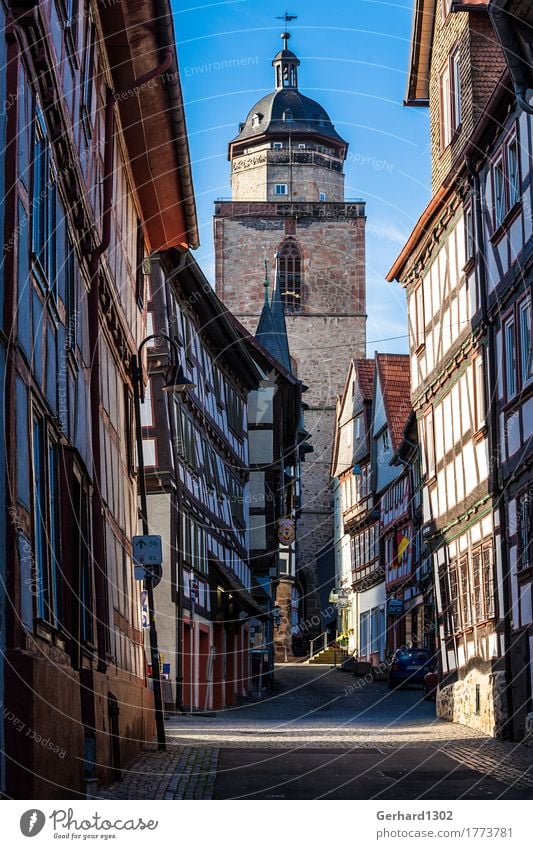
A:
<point x="431" y="680"/>
<point x="409" y="666"/>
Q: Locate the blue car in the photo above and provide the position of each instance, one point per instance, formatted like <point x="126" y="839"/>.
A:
<point x="409" y="667"/>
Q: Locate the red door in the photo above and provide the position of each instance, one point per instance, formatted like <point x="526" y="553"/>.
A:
<point x="218" y="667"/>
<point x="203" y="660"/>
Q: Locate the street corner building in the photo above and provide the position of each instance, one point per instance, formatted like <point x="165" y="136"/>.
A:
<point x="287" y="199"/>
<point x="95" y="167"/>
<point x="467" y="271"/>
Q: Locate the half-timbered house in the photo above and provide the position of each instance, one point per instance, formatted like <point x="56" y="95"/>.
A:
<point x="456" y="66"/>
<point x="198" y="489"/>
<point x="78" y="217"/>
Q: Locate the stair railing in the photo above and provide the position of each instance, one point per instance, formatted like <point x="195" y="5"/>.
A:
<point x="319" y="643"/>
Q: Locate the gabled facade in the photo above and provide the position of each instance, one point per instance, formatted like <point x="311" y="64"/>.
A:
<point x="78" y="220"/>
<point x="449" y="266"/>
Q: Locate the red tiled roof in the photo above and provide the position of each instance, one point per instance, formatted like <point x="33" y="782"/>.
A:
<point x="365" y="376"/>
<point x="395" y="381"/>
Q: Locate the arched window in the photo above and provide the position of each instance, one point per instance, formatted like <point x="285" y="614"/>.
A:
<point x="290" y="275"/>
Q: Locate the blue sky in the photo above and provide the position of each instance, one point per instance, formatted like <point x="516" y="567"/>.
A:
<point x="354" y="56"/>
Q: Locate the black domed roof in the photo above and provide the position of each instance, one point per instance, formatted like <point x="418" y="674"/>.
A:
<point x="284" y="111"/>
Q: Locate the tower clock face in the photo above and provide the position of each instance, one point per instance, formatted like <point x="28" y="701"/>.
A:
<point x="286" y="531"/>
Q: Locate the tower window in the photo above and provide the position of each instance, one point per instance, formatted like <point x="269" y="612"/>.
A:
<point x="290" y="275"/>
<point x="288" y="116"/>
<point x="256" y="119"/>
<point x="281" y="189"/>
<point x="277" y="145"/>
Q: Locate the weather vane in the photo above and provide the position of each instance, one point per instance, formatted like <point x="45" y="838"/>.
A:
<point x="287" y="19"/>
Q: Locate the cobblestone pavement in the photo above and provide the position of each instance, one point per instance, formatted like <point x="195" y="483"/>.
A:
<point x="323" y="714"/>
<point x="182" y="772"/>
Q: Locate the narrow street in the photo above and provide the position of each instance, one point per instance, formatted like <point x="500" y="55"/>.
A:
<point x="324" y="734"/>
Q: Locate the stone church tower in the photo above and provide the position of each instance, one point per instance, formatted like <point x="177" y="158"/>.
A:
<point x="287" y="184"/>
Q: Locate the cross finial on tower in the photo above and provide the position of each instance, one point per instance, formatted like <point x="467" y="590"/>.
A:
<point x="287" y="18"/>
<point x="266" y="282"/>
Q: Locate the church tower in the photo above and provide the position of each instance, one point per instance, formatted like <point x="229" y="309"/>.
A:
<point x="287" y="198"/>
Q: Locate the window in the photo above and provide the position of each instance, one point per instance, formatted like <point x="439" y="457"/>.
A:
<point x="526" y="362"/>
<point x="82" y="560"/>
<point x="466" y="607"/>
<point x="236" y="501"/>
<point x="281" y="189"/>
<point x="499" y="194"/>
<point x="419" y="318"/>
<point x="524" y="528"/>
<point x="322" y="196"/>
<point x="429" y="445"/>
<point x="456" y="90"/>
<point x="87" y="106"/>
<point x="288" y="116"/>
<point x="469" y="233"/>
<point x="71" y="295"/>
<point x="186" y="439"/>
<point x="43" y="205"/>
<point x="512" y="173"/>
<point x="510" y="358"/>
<point x="256" y="119"/>
<point x="385" y="440"/>
<point x="445" y="602"/>
<point x="277" y="145"/>
<point x="46" y="511"/>
<point x="364" y="632"/>
<point x="450" y="100"/>
<point x="483" y="583"/>
<point x="302" y="146"/>
<point x="290" y="275"/>
<point x="358" y="427"/>
<point x="454" y="619"/>
<point x="139" y="266"/>
<point x="479" y="391"/>
<point x="235" y="409"/>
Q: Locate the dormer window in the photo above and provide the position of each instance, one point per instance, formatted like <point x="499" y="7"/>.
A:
<point x="256" y="119"/>
<point x="277" y="145"/>
<point x="288" y="116"/>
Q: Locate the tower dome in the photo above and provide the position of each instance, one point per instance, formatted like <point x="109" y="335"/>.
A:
<point x="288" y="146"/>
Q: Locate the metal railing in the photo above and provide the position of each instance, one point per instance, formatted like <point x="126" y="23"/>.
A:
<point x="321" y="642"/>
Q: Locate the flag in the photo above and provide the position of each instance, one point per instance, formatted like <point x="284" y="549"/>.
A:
<point x="402" y="542"/>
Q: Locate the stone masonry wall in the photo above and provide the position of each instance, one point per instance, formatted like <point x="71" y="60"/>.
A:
<point x="481" y="64"/>
<point x="322" y="338"/>
<point x="457" y="702"/>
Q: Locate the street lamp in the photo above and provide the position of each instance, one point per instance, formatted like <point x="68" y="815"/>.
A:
<point x="175" y="381"/>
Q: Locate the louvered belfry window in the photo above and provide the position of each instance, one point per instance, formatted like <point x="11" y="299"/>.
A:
<point x="290" y="275"/>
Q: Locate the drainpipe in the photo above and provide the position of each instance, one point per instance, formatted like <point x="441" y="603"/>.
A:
<point x="495" y="487"/>
<point x="177" y="509"/>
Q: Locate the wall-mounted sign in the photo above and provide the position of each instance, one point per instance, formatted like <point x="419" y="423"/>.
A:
<point x="147" y="550"/>
<point x="395" y="606"/>
<point x="286" y="531"/>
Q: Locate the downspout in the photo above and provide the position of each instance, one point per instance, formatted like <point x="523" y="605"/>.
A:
<point x="175" y="521"/>
<point x="494" y="482"/>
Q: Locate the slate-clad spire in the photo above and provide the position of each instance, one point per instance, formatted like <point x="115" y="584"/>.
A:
<point x="271" y="329"/>
<point x="278" y="319"/>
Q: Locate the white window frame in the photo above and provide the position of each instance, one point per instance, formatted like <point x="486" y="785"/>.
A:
<point x="322" y="196"/>
<point x="511" y="377"/>
<point x="280" y="186"/>
<point x="524" y="326"/>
